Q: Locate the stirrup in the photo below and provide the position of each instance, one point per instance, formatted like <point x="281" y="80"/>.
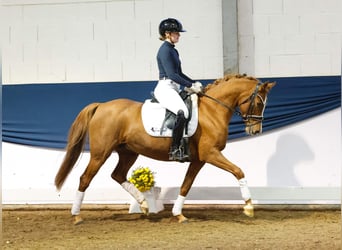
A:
<point x="178" y="155"/>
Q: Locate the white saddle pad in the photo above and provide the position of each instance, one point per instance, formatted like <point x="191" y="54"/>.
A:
<point x="153" y="115"/>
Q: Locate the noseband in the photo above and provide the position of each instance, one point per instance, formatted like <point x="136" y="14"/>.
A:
<point x="248" y="116"/>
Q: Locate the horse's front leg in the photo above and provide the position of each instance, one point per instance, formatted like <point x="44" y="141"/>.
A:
<point x="248" y="209"/>
<point x="217" y="159"/>
<point x="126" y="160"/>
<point x="190" y="176"/>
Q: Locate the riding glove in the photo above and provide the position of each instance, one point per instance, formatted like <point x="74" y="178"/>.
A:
<point x="196" y="87"/>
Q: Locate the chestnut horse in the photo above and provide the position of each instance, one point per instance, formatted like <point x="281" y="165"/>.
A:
<point x="117" y="126"/>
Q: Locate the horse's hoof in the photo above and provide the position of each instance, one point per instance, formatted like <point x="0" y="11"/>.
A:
<point x="182" y="219"/>
<point x="144" y="207"/>
<point x="77" y="220"/>
<point x="248" y="210"/>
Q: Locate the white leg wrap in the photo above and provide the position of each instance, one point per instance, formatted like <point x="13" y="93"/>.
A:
<point x="130" y="188"/>
<point x="178" y="206"/>
<point x="76" y="206"/>
<point x="246" y="195"/>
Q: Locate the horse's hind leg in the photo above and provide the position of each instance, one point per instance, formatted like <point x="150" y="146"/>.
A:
<point x="190" y="176"/>
<point x="85" y="179"/>
<point x="126" y="160"/>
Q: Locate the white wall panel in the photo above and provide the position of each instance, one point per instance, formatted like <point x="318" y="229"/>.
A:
<point x="316" y="64"/>
<point x="290" y="31"/>
<point x="284" y="65"/>
<point x="299" y="7"/>
<point x="283" y="24"/>
<point x="299" y="44"/>
<point x="84" y="35"/>
<point x="278" y="29"/>
<point x="267" y="7"/>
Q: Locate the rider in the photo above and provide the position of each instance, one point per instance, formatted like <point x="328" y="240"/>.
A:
<point x="171" y="78"/>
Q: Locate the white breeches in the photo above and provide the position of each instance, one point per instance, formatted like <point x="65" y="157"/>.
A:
<point x="167" y="94"/>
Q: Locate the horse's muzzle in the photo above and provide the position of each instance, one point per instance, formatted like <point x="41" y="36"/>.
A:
<point x="254" y="129"/>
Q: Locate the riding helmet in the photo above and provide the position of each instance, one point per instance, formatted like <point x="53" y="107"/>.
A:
<point x="170" y="25"/>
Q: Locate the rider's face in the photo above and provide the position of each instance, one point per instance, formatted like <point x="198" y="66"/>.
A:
<point x="174" y="37"/>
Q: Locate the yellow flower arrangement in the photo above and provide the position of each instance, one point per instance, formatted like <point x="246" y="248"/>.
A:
<point x="142" y="178"/>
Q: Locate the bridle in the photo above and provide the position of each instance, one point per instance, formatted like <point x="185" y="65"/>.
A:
<point x="248" y="116"/>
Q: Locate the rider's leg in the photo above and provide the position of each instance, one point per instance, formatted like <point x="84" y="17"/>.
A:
<point x="177" y="134"/>
<point x="167" y="94"/>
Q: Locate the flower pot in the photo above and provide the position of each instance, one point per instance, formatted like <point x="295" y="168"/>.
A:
<point x="155" y="205"/>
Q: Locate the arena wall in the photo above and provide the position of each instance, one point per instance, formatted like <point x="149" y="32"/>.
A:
<point x="96" y="41"/>
<point x="296" y="165"/>
<point x="58" y="41"/>
<point x="290" y="38"/>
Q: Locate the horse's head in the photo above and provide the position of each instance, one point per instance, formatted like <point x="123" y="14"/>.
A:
<point x="252" y="108"/>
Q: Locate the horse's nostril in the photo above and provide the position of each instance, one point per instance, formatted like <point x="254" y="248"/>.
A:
<point x="256" y="132"/>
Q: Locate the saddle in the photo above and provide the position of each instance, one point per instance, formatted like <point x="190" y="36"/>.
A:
<point x="159" y="122"/>
<point x="170" y="117"/>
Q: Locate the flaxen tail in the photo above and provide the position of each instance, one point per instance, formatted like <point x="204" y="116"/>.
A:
<point x="76" y="141"/>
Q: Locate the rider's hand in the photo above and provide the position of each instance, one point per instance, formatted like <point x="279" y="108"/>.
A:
<point x="196" y="87"/>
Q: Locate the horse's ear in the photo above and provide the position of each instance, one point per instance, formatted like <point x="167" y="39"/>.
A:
<point x="268" y="85"/>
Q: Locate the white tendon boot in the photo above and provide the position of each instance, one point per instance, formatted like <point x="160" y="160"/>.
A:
<point x="177" y="209"/>
<point x="246" y="195"/>
<point x="76" y="208"/>
<point x="130" y="188"/>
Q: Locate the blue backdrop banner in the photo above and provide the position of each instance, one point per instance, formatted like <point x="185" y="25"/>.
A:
<point x="41" y="114"/>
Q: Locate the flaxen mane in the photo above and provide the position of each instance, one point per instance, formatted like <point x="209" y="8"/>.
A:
<point x="226" y="78"/>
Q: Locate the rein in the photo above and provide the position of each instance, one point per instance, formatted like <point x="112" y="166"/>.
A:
<point x="222" y="104"/>
<point x="251" y="98"/>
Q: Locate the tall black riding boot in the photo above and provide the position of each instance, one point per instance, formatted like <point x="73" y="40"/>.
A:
<point x="176" y="151"/>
